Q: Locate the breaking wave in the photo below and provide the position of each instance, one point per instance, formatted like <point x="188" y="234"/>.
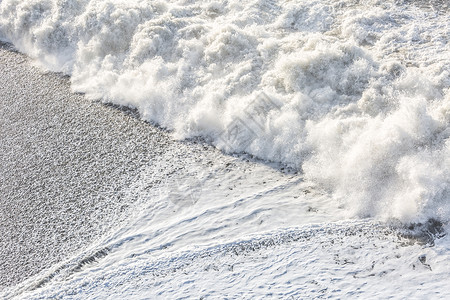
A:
<point x="355" y="94"/>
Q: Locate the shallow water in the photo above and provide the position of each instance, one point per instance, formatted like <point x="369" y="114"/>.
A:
<point x="63" y="163"/>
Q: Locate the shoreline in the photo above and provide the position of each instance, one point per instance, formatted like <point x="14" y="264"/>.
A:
<point x="65" y="161"/>
<point x="69" y="167"/>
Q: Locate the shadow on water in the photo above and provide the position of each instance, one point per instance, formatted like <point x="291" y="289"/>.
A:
<point x="422" y="233"/>
<point x="7" y="46"/>
<point x="130" y="111"/>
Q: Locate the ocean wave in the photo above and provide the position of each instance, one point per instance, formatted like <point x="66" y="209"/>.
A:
<point x="356" y="94"/>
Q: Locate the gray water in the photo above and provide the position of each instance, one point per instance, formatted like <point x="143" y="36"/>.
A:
<point x="64" y="161"/>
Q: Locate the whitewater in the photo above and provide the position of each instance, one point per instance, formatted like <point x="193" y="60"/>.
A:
<point x="333" y="120"/>
<point x="363" y="86"/>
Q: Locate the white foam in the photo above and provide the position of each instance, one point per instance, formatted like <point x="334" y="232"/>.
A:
<point x="335" y="260"/>
<point x="360" y="92"/>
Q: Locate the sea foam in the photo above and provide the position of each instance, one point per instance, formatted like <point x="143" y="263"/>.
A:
<point x="358" y="92"/>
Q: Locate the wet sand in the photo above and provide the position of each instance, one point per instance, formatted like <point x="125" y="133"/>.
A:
<point x="64" y="164"/>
